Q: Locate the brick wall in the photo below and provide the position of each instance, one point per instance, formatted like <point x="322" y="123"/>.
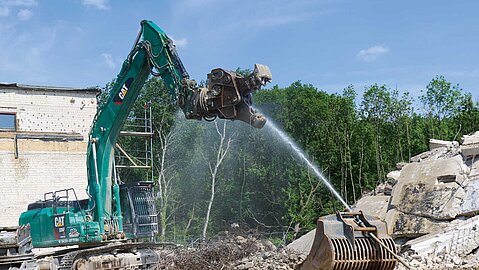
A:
<point x="42" y="165"/>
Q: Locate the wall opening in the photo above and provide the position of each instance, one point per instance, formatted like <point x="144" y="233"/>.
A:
<point x="8" y="121"/>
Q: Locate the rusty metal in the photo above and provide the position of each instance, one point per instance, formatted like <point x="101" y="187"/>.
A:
<point x="228" y="95"/>
<point x="114" y="256"/>
<point x="15" y="246"/>
<point x="347" y="241"/>
<point x="15" y="240"/>
<point x="142" y="259"/>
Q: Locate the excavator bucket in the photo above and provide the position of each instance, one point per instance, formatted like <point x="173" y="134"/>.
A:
<point x="343" y="241"/>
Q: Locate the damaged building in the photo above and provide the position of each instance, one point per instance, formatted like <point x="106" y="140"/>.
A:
<point x="43" y="142"/>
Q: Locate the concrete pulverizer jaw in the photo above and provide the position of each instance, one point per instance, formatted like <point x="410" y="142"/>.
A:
<point x="228" y="95"/>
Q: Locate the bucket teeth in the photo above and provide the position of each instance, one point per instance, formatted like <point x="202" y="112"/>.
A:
<point x="342" y="242"/>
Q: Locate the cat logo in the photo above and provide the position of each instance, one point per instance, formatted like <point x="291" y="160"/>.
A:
<point x="59" y="221"/>
<point x="123" y="92"/>
<point x="59" y="226"/>
<point x="118" y="99"/>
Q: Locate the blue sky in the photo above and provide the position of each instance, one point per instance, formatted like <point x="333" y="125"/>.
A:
<point x="329" y="44"/>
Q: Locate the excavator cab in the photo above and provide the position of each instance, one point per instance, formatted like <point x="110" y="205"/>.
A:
<point x="60" y="219"/>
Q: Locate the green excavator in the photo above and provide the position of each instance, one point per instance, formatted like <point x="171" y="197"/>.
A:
<point x="115" y="213"/>
<point x="104" y="228"/>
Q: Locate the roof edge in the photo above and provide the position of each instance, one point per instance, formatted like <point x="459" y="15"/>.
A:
<point x="48" y="88"/>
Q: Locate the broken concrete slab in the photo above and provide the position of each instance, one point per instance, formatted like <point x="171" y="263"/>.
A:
<point x="393" y="176"/>
<point x="459" y="238"/>
<point x="474" y="167"/>
<point x="470" y="204"/>
<point x="442" y="177"/>
<point x="433" y="144"/>
<point x="376" y="206"/>
<point x="470" y="145"/>
<point x="401" y="225"/>
<point x="440" y="202"/>
<point x="429" y="155"/>
<point x="303" y="244"/>
<point x="428" y="194"/>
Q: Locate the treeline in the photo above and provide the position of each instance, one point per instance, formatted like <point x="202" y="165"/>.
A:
<point x="218" y="176"/>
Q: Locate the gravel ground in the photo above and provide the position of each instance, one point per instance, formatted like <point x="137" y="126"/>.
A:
<point x="440" y="262"/>
<point x="235" y="253"/>
<point x="250" y="253"/>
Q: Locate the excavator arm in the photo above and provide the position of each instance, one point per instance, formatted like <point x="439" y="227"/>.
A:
<point x="60" y="220"/>
<point x="227" y="95"/>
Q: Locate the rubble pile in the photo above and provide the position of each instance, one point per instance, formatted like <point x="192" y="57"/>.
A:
<point x="440" y="261"/>
<point x="232" y="253"/>
<point x="430" y="205"/>
<point x="283" y="259"/>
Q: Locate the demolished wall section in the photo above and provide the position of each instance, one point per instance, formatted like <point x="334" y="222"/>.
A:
<point x="47" y="150"/>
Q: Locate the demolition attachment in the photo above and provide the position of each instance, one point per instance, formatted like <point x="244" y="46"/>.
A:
<point x="228" y="96"/>
<point x="345" y="241"/>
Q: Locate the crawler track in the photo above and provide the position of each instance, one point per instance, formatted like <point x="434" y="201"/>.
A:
<point x="68" y="259"/>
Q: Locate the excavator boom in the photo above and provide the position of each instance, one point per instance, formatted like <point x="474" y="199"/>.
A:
<point x="60" y="218"/>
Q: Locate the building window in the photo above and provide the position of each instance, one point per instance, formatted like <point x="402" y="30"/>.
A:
<point x="7" y="122"/>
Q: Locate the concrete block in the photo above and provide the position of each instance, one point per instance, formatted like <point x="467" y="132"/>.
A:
<point x="423" y="177"/>
<point x="440" y="202"/>
<point x="393" y="176"/>
<point x="433" y="144"/>
<point x="459" y="238"/>
<point x="375" y="206"/>
<point x="401" y="225"/>
<point x="303" y="244"/>
<point x="470" y="204"/>
<point x="470" y="145"/>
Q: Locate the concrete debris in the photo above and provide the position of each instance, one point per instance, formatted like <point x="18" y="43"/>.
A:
<point x="303" y="244"/>
<point x="460" y="238"/>
<point x="238" y="252"/>
<point x="402" y="225"/>
<point x="433" y="144"/>
<point x="439" y="262"/>
<point x="433" y="204"/>
<point x="432" y="188"/>
<point x="280" y="260"/>
<point x="470" y="205"/>
<point x="470" y="145"/>
<point x="375" y="206"/>
<point x="430" y="206"/>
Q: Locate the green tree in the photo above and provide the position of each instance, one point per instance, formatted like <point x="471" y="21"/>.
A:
<point x="375" y="109"/>
<point x="441" y="100"/>
<point x="467" y="118"/>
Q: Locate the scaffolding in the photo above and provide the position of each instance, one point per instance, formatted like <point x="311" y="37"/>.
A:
<point x="139" y="131"/>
